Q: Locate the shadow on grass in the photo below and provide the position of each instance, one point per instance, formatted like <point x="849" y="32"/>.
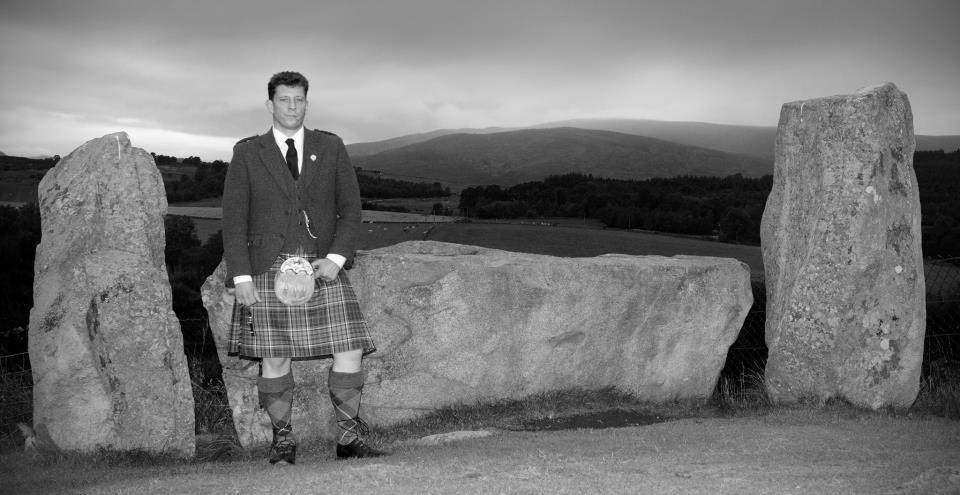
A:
<point x="548" y="411"/>
<point x="617" y="418"/>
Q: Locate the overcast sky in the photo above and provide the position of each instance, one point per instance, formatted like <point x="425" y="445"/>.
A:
<point x="188" y="77"/>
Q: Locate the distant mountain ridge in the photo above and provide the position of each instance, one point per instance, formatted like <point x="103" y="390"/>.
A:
<point x="374" y="147"/>
<point x="740" y="139"/>
<point x="512" y="157"/>
<point x="747" y="140"/>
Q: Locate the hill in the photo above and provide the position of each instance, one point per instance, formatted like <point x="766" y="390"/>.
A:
<point x="740" y="139"/>
<point x="8" y="163"/>
<point x="756" y="141"/>
<point x="934" y="143"/>
<point x="513" y="157"/>
<point x="374" y="147"/>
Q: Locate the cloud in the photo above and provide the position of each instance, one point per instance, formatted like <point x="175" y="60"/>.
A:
<point x="64" y="132"/>
<point x="195" y="72"/>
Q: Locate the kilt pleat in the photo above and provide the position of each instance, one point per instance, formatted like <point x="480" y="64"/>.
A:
<point x="330" y="322"/>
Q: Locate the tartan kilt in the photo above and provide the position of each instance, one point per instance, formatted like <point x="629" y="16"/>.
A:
<point x="329" y="322"/>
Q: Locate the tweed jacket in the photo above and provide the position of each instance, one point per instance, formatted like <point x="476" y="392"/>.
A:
<point x="263" y="206"/>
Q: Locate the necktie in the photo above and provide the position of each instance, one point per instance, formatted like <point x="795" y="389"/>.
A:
<point x="292" y="159"/>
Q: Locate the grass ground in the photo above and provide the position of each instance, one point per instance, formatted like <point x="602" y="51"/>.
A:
<point x="734" y="444"/>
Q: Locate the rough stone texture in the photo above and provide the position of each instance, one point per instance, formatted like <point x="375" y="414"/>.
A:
<point x="105" y="346"/>
<point x="457" y="324"/>
<point x="841" y="247"/>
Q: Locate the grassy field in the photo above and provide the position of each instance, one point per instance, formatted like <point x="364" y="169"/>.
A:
<point x="568" y="241"/>
<point x="555" y="237"/>
<point x="578" y="238"/>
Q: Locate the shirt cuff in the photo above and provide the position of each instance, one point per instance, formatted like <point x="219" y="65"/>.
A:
<point x="338" y="259"/>
<point x="242" y="278"/>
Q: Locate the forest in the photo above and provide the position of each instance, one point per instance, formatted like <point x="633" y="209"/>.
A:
<point x="938" y="175"/>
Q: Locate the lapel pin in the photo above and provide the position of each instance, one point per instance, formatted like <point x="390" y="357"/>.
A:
<point x="313" y="158"/>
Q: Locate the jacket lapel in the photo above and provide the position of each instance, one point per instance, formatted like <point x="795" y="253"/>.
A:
<point x="276" y="164"/>
<point x="312" y="151"/>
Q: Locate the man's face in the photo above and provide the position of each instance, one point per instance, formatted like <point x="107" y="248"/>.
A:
<point x="288" y="107"/>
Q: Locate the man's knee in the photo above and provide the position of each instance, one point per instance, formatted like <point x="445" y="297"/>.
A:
<point x="348" y="362"/>
<point x="274" y="367"/>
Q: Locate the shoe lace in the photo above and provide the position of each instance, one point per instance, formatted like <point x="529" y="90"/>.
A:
<point x="283" y="439"/>
<point x="285" y="445"/>
<point x="354" y="425"/>
<point x="282" y="431"/>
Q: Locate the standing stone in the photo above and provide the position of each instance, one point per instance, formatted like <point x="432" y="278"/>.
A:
<point x="109" y="369"/>
<point x="841" y="249"/>
<point x="458" y="324"/>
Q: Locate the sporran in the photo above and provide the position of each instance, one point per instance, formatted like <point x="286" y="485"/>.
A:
<point x="294" y="283"/>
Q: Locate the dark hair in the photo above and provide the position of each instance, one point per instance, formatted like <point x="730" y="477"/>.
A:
<point x="287" y="78"/>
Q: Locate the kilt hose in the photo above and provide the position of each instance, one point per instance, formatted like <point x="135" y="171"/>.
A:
<point x="328" y="323"/>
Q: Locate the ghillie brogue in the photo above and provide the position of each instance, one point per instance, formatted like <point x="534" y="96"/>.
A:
<point x="357" y="449"/>
<point x="284" y="447"/>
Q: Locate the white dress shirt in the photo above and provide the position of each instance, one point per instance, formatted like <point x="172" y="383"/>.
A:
<point x="281" y="140"/>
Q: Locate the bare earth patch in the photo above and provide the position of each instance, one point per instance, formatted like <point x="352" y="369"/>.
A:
<point x="789" y="451"/>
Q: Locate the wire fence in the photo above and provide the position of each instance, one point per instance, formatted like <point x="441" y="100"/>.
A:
<point x="746" y="357"/>
<point x="941" y="348"/>
<point x="16" y="398"/>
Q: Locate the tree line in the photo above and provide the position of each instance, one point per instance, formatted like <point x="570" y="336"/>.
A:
<point x="938" y="178"/>
<point x="22" y="163"/>
<point x="192" y="179"/>
<point x="728" y="208"/>
<point x="207" y="182"/>
<point x="20" y="228"/>
<point x="373" y="186"/>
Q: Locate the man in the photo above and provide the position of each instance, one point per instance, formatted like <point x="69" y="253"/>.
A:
<point x="292" y="194"/>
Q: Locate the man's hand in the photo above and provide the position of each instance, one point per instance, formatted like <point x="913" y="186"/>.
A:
<point x="246" y="294"/>
<point x="325" y="269"/>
